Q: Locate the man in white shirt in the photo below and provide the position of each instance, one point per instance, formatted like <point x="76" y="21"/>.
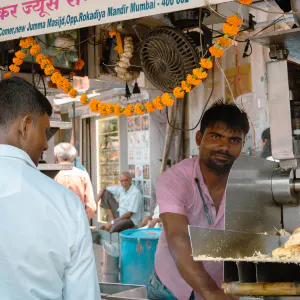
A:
<point x="46" y="248"/>
<point x="129" y="208"/>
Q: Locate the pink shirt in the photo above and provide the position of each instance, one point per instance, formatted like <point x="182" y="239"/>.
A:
<point x="177" y="192"/>
<point x="79" y="182"/>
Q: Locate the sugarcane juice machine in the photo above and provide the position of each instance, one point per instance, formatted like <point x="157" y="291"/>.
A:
<point x="263" y="196"/>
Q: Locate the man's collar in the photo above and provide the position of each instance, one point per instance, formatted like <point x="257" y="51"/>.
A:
<point x="14" y="152"/>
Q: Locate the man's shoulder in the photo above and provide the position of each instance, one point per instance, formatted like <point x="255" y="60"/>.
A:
<point x="135" y="190"/>
<point x="183" y="170"/>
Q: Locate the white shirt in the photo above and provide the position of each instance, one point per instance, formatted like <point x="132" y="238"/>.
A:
<point x="130" y="201"/>
<point x="156" y="212"/>
<point x="272" y="159"/>
<point x="46" y="250"/>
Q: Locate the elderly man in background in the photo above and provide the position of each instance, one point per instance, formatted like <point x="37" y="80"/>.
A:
<point x="129" y="211"/>
<point x="75" y="179"/>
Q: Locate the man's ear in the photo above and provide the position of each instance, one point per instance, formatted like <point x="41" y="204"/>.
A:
<point x="24" y="125"/>
<point x="198" y="138"/>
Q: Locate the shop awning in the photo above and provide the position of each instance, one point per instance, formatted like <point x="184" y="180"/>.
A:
<point x="22" y="18"/>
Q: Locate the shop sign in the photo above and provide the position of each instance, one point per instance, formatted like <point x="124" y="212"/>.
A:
<point x="22" y="18"/>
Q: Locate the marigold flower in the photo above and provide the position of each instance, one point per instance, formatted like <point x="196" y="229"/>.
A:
<point x="128" y="110"/>
<point x="157" y="103"/>
<point x="72" y="74"/>
<point x="39" y="58"/>
<point x="150" y="107"/>
<point x="206" y="63"/>
<point x="73" y="93"/>
<point x="167" y="99"/>
<point x="30" y="40"/>
<point x="17" y="61"/>
<point x="24" y="44"/>
<point x="102" y="109"/>
<point x="234" y="20"/>
<point x="55" y="77"/>
<point x="186" y="86"/>
<point x="84" y="99"/>
<point x="110" y="108"/>
<point x="224" y="42"/>
<point x="67" y="85"/>
<point x="35" y="50"/>
<point x="79" y="64"/>
<point x="199" y="74"/>
<point x="178" y="92"/>
<point x="14" y="68"/>
<point x="230" y="30"/>
<point x="45" y="63"/>
<point x="19" y="54"/>
<point x="246" y="2"/>
<point x="118" y="110"/>
<point x="49" y="70"/>
<point x="7" y="75"/>
<point x="60" y="82"/>
<point x="138" y="109"/>
<point x="94" y="105"/>
<point x="193" y="80"/>
<point x="217" y="52"/>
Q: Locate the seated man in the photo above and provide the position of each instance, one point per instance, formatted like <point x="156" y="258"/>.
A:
<point x="76" y="180"/>
<point x="152" y="221"/>
<point x="129" y="212"/>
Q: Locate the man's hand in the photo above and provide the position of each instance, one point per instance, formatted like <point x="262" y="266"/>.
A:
<point x="106" y="227"/>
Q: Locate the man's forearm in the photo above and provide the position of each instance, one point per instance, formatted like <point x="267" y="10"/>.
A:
<point x="100" y="195"/>
<point x="125" y="216"/>
<point x="192" y="272"/>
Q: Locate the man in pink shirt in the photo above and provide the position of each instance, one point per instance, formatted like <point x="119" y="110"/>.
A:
<point x="193" y="192"/>
<point x="76" y="180"/>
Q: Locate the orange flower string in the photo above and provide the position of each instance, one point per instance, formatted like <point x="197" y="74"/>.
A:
<point x="14" y="68"/>
<point x="178" y="92"/>
<point x="138" y="109"/>
<point x="167" y="99"/>
<point x="17" y="61"/>
<point x="94" y="105"/>
<point x="157" y="103"/>
<point x="206" y="63"/>
<point x="150" y="107"/>
<point x="246" y="2"/>
<point x="73" y="93"/>
<point x="35" y="50"/>
<point x="186" y="86"/>
<point x="118" y="111"/>
<point x="230" y="30"/>
<point x="84" y="98"/>
<point x="128" y="110"/>
<point x="224" y="42"/>
<point x="217" y="52"/>
<point x="193" y="80"/>
<point x="7" y="75"/>
<point x="199" y="74"/>
<point x="234" y="20"/>
<point x="79" y="64"/>
<point x="19" y="54"/>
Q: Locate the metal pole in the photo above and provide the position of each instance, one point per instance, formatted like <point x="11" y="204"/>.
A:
<point x="74" y="129"/>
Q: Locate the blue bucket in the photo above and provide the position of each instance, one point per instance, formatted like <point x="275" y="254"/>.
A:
<point x="137" y="252"/>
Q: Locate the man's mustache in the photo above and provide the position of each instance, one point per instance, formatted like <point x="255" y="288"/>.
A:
<point x="226" y="154"/>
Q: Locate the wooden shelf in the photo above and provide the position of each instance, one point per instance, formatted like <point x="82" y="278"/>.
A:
<point x="110" y="163"/>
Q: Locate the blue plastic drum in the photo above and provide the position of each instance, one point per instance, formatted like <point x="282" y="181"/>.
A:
<point x="137" y="251"/>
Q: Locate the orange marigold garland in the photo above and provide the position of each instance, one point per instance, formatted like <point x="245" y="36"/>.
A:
<point x="230" y="28"/>
<point x="178" y="92"/>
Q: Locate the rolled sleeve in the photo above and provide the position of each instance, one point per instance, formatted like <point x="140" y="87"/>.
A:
<point x="135" y="203"/>
<point x="171" y="194"/>
<point x="80" y="278"/>
<point x="115" y="190"/>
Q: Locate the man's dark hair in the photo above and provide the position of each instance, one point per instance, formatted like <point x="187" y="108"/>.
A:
<point x="267" y="150"/>
<point x="229" y="114"/>
<point x="18" y="97"/>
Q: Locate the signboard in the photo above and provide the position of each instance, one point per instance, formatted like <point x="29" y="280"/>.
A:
<point x="22" y="18"/>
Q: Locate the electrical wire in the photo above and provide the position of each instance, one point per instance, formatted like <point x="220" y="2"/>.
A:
<point x="204" y="108"/>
